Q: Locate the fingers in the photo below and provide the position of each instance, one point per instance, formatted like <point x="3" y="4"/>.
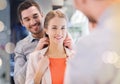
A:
<point x="42" y="42"/>
<point x="68" y="42"/>
<point x="44" y="39"/>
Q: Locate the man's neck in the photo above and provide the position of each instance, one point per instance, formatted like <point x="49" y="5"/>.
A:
<point x="39" y="35"/>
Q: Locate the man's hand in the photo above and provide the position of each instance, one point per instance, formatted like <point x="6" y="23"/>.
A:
<point x="42" y="42"/>
<point x="68" y="42"/>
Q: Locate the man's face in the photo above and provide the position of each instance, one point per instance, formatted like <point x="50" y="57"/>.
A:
<point x="92" y="8"/>
<point x="32" y="20"/>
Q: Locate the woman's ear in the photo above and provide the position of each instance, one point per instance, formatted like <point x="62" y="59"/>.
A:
<point x="46" y="31"/>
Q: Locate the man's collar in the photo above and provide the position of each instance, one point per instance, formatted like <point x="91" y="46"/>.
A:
<point x="32" y="39"/>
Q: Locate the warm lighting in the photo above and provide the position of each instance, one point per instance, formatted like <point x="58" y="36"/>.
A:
<point x="58" y="2"/>
<point x="117" y="64"/>
<point x="0" y="62"/>
<point x="110" y="57"/>
<point x="3" y="4"/>
<point x="1" y="26"/>
<point x="9" y="47"/>
<point x="64" y="9"/>
<point x="77" y="18"/>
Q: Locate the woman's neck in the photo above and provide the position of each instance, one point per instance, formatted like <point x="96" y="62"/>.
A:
<point x="56" y="51"/>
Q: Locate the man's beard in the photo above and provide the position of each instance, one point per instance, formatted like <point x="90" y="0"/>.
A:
<point x="40" y="28"/>
<point x="91" y="19"/>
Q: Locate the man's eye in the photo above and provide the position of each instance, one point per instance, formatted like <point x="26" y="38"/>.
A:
<point x="35" y="17"/>
<point x="27" y="20"/>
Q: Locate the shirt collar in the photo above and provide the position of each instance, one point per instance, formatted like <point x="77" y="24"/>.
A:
<point x="32" y="39"/>
<point x="69" y="52"/>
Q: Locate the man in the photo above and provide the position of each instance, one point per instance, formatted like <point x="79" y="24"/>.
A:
<point x="30" y="16"/>
<point x="97" y="56"/>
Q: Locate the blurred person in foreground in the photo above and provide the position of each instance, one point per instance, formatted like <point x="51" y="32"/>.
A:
<point x="97" y="56"/>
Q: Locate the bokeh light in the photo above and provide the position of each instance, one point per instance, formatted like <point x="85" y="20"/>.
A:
<point x="117" y="64"/>
<point x="110" y="57"/>
<point x="0" y="62"/>
<point x="3" y="4"/>
<point x="9" y="47"/>
<point x="1" y="26"/>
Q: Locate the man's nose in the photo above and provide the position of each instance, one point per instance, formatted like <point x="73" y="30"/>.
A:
<point x="33" y="22"/>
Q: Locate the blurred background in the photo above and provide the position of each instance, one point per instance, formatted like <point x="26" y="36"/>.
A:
<point x="11" y="31"/>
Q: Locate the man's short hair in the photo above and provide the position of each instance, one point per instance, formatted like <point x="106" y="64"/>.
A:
<point x="25" y="5"/>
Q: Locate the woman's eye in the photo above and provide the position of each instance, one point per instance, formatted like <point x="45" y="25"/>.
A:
<point x="63" y="28"/>
<point x="54" y="28"/>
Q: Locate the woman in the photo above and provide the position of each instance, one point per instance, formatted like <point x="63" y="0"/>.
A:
<point x="49" y="65"/>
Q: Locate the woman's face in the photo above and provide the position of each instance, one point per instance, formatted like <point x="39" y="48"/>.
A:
<point x="56" y="30"/>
